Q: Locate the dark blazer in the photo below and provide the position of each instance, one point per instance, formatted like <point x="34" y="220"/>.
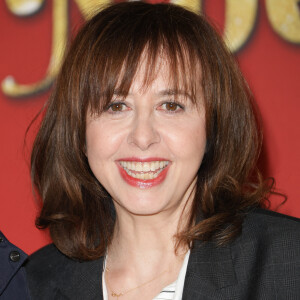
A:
<point x="13" y="285"/>
<point x="262" y="263"/>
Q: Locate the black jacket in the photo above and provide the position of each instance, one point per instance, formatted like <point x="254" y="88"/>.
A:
<point x="262" y="263"/>
<point x="13" y="285"/>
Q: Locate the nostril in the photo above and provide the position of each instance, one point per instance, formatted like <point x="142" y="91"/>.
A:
<point x="143" y="135"/>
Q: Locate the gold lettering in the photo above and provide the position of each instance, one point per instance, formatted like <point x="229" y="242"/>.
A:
<point x="59" y="37"/>
<point x="89" y="7"/>
<point x="193" y="5"/>
<point x="24" y="7"/>
<point x="284" y="18"/>
<point x="239" y="22"/>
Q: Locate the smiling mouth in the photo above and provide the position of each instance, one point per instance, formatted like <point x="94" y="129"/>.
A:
<point x="143" y="170"/>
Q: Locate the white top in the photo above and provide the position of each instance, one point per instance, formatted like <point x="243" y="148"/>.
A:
<point x="171" y="292"/>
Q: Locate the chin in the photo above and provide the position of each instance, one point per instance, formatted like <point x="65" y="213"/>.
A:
<point x="142" y="207"/>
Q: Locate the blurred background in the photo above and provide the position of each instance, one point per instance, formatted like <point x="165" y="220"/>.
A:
<point x="264" y="35"/>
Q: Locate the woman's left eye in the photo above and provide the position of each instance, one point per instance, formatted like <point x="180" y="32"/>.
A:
<point x="171" y="107"/>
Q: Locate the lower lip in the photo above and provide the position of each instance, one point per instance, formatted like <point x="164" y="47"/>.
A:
<point x="144" y="184"/>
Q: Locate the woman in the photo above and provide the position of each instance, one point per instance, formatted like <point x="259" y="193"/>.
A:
<point x="145" y="162"/>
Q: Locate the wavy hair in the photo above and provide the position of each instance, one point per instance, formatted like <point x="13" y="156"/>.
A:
<point x="105" y="55"/>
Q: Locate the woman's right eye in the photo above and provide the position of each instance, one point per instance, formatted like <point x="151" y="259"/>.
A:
<point x="117" y="107"/>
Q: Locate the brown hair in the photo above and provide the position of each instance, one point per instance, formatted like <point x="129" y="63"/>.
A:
<point x="105" y="54"/>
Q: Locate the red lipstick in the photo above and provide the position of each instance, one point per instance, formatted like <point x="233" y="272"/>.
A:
<point x="143" y="183"/>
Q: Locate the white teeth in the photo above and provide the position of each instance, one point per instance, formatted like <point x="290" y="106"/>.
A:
<point x="143" y="170"/>
<point x="152" y="166"/>
<point x="146" y="167"/>
<point x="138" y="167"/>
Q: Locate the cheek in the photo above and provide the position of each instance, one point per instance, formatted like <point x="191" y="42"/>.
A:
<point x="187" y="139"/>
<point x="102" y="141"/>
<point x="99" y="150"/>
<point x="94" y="143"/>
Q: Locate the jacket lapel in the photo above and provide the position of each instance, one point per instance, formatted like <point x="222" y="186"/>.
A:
<point x="210" y="268"/>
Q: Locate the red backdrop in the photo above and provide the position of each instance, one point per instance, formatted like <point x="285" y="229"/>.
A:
<point x="269" y="62"/>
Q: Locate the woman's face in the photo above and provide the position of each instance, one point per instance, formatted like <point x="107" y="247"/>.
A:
<point x="146" y="149"/>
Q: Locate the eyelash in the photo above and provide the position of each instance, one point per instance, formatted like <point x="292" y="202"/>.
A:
<point x="178" y="107"/>
<point x="110" y="106"/>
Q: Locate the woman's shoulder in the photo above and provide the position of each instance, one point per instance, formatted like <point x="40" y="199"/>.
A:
<point x="266" y="256"/>
<point x="272" y="222"/>
<point x="45" y="261"/>
<point x="44" y="269"/>
<point x="272" y="235"/>
<point x="53" y="275"/>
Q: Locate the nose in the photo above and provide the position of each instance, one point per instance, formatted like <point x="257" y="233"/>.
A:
<point x="143" y="133"/>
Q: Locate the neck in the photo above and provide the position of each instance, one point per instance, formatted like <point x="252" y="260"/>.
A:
<point x="143" y="250"/>
<point x="148" y="239"/>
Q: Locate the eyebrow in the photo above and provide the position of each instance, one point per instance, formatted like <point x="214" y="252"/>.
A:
<point x="120" y="93"/>
<point x="167" y="92"/>
<point x="172" y="92"/>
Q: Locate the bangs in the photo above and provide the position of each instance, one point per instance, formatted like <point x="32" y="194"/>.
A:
<point x="125" y="43"/>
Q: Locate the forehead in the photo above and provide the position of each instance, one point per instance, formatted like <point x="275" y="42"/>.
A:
<point x="177" y="70"/>
<point x="155" y="75"/>
<point x="165" y="72"/>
